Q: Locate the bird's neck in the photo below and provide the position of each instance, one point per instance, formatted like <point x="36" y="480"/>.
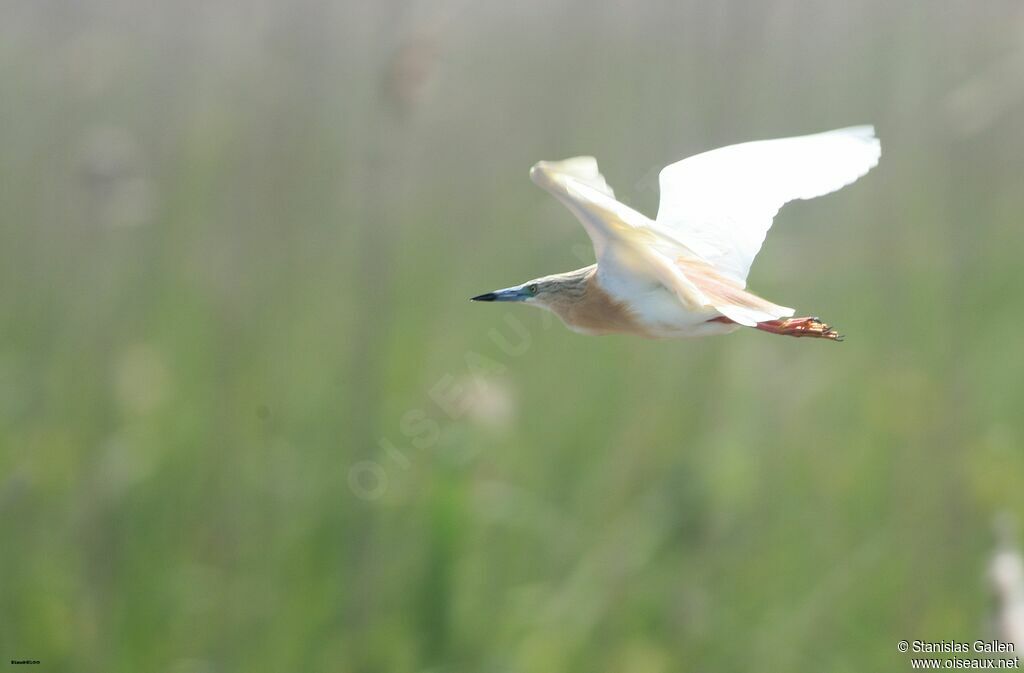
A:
<point x="586" y="307"/>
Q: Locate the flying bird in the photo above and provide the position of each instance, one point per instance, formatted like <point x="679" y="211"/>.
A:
<point x="684" y="273"/>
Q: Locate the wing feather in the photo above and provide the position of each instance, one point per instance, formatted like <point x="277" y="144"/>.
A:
<point x="579" y="185"/>
<point x="629" y="250"/>
<point x="721" y="203"/>
<point x="728" y="296"/>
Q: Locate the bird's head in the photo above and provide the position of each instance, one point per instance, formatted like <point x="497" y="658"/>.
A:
<point x="546" y="292"/>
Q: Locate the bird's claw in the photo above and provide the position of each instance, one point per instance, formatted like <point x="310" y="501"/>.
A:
<point x="810" y="327"/>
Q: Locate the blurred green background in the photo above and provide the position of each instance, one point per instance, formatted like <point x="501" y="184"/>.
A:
<point x="250" y="422"/>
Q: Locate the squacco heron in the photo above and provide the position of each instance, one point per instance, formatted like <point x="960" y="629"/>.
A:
<point x="684" y="273"/>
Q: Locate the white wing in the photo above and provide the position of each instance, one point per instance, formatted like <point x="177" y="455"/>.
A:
<point x="629" y="251"/>
<point x="720" y="204"/>
<point x="578" y="184"/>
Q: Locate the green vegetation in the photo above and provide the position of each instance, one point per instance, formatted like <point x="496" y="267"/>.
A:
<point x="237" y="241"/>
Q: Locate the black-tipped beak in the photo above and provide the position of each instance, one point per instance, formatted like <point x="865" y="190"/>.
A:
<point x="508" y="294"/>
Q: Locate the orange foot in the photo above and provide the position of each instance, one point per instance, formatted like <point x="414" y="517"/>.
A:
<point x="801" y="327"/>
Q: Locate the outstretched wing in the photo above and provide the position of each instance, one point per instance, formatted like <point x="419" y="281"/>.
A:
<point x="630" y="253"/>
<point x="579" y="185"/>
<point x="720" y="204"/>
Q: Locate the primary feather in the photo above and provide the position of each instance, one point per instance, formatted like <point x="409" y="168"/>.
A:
<point x="721" y="203"/>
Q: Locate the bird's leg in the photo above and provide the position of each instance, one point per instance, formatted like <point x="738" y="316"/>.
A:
<point x="801" y="327"/>
<point x="795" y="327"/>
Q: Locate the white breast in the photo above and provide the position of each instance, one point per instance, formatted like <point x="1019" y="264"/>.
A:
<point x="660" y="311"/>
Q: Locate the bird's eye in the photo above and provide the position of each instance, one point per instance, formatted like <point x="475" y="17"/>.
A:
<point x="532" y="289"/>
